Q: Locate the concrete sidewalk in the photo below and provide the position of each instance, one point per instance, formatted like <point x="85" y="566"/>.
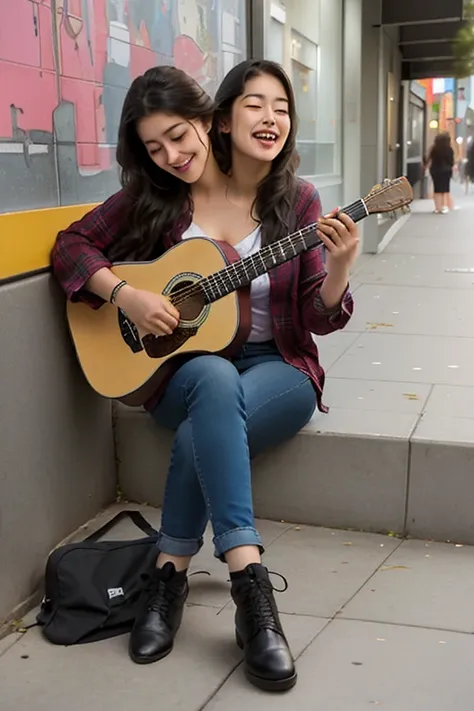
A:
<point x="409" y="347"/>
<point x="373" y="622"/>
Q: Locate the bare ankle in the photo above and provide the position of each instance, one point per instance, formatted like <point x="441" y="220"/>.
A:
<point x="180" y="562"/>
<point x="239" y="558"/>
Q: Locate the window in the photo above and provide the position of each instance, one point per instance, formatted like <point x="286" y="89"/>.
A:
<point x="415" y="137"/>
<point x="305" y="36"/>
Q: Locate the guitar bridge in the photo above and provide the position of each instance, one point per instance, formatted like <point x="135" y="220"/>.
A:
<point x="160" y="346"/>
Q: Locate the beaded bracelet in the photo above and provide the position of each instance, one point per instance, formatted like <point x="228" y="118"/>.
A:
<point x="116" y="290"/>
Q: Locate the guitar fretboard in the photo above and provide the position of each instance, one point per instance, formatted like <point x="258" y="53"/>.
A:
<point x="244" y="271"/>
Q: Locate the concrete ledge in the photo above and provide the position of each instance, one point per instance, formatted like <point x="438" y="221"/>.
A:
<point x="318" y="478"/>
<point x="337" y="473"/>
<point x="57" y="466"/>
<point x="441" y="503"/>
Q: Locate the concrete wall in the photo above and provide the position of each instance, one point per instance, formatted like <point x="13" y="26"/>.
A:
<point x="57" y="462"/>
<point x="352" y="73"/>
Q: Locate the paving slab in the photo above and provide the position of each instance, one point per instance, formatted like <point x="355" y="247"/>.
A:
<point x="358" y="666"/>
<point x="378" y="395"/>
<point x="444" y="430"/>
<point x="414" y="309"/>
<point x="100" y="676"/>
<point x="333" y="346"/>
<point x="7" y="642"/>
<point x="408" y="358"/>
<point x="422" y="584"/>
<point x="325" y="568"/>
<point x="447" y="271"/>
<point x="448" y="401"/>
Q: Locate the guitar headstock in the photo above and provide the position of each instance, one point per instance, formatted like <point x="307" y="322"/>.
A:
<point x="389" y="196"/>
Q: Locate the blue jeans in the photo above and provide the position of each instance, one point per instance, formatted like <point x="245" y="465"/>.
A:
<point x="224" y="413"/>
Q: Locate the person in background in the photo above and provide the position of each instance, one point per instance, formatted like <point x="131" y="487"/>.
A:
<point x="440" y="164"/>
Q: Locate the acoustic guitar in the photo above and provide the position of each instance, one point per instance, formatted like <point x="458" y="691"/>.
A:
<point x="209" y="284"/>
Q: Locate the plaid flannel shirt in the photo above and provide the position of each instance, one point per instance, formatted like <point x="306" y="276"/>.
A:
<point x="296" y="306"/>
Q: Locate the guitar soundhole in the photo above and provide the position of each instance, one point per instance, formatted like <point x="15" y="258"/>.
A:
<point x="190" y="306"/>
<point x="191" y="303"/>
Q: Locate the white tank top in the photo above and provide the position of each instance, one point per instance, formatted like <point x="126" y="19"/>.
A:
<point x="259" y="288"/>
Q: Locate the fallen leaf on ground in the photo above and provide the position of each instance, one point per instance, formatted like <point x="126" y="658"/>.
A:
<point x="373" y="326"/>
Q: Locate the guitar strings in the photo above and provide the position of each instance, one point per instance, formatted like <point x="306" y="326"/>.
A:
<point x="181" y="295"/>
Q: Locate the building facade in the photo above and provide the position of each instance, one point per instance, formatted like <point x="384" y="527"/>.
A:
<point x="65" y="66"/>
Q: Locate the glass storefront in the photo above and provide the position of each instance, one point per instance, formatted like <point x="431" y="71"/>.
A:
<point x="104" y="44"/>
<point x="305" y="36"/>
<point x="415" y="138"/>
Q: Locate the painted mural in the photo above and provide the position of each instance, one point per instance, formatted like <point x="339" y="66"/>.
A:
<point x="65" y="66"/>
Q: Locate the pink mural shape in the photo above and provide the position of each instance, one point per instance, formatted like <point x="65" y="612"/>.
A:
<point x="28" y="93"/>
<point x="189" y="57"/>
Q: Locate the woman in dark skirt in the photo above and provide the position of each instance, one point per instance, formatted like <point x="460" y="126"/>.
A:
<point x="441" y="162"/>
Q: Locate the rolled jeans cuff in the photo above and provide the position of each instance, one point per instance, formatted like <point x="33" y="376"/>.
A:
<point x="185" y="547"/>
<point x="235" y="538"/>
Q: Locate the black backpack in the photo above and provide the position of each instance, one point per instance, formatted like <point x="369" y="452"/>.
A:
<point x="93" y="588"/>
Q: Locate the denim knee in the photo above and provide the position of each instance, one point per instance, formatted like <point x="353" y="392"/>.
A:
<point x="214" y="377"/>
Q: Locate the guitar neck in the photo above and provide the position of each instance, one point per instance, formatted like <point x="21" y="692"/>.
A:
<point x="244" y="271"/>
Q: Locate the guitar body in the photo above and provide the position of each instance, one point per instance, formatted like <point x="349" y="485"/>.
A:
<point x="118" y="364"/>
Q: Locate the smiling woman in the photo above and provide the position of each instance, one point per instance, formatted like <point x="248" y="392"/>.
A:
<point x="163" y="129"/>
<point x="264" y="116"/>
<point x="177" y="146"/>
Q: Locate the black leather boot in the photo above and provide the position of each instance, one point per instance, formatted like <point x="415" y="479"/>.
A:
<point x="268" y="661"/>
<point x="155" y="628"/>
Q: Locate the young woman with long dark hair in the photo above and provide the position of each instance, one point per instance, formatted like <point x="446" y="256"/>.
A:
<point x="223" y="411"/>
<point x="441" y="163"/>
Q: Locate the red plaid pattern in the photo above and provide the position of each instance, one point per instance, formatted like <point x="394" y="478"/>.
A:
<point x="296" y="305"/>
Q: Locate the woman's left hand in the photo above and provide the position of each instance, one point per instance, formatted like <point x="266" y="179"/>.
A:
<point x="341" y="238"/>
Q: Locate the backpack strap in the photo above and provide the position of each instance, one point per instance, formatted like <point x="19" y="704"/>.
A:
<point x="137" y="518"/>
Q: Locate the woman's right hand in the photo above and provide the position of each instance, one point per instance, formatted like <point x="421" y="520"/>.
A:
<point x="151" y="313"/>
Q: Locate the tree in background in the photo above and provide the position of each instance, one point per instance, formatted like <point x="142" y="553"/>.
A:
<point x="463" y="46"/>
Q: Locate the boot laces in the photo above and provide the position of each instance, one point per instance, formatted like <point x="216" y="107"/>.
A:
<point x="161" y="597"/>
<point x="260" y="607"/>
<point x="162" y="593"/>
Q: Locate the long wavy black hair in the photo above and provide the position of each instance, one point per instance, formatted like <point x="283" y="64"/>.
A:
<point x="441" y="153"/>
<point x="157" y="198"/>
<point x="274" y="202"/>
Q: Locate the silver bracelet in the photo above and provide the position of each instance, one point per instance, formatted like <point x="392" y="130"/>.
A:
<point x="116" y="290"/>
